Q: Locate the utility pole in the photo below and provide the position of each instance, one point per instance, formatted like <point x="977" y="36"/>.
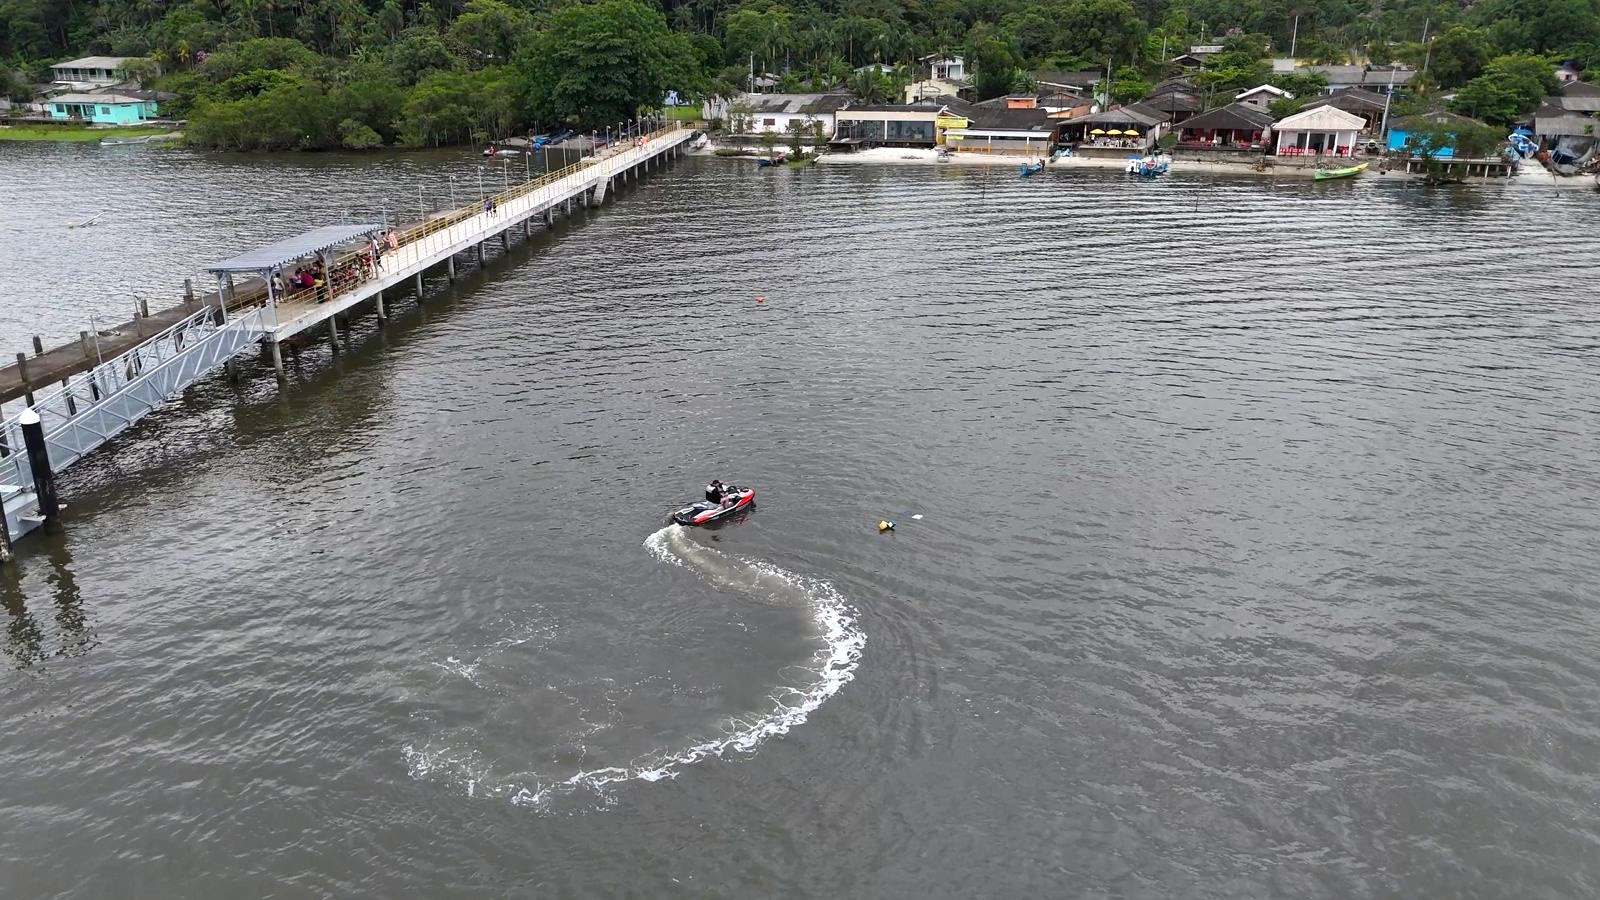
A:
<point x="1383" y="130"/>
<point x="1294" y="36"/>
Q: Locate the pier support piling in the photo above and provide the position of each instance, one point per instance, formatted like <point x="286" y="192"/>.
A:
<point x="419" y="287"/>
<point x="22" y="372"/>
<point x="188" y="292"/>
<point x="44" y="478"/>
<point x="377" y="306"/>
<point x="480" y="253"/>
<point x="549" y="217"/>
<point x="38" y="345"/>
<point x="277" y="360"/>
<point x="450" y="267"/>
<point x="333" y="332"/>
<point x="505" y="239"/>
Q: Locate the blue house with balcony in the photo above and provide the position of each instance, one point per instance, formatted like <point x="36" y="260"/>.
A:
<point x="112" y="108"/>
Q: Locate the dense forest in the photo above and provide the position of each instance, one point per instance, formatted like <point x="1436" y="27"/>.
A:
<point x="312" y="74"/>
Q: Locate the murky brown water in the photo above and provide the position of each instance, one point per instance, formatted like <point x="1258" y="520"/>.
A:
<point x="1256" y="556"/>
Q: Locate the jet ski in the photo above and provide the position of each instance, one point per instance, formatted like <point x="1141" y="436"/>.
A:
<point x="736" y="499"/>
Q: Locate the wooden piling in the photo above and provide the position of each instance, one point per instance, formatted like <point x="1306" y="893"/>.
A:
<point x="22" y="370"/>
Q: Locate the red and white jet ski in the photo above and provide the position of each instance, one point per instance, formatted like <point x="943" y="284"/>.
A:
<point x="734" y="499"/>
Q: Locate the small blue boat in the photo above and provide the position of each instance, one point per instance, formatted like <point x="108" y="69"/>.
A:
<point x="1030" y="168"/>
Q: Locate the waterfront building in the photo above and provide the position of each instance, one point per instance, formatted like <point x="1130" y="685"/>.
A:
<point x="1027" y="131"/>
<point x="1322" y="130"/>
<point x="1357" y="101"/>
<point x="886" y="125"/>
<point x="1401" y="131"/>
<point x="90" y="72"/>
<point x="1237" y="126"/>
<point x="1126" y="127"/>
<point x="110" y="108"/>
<point x="756" y="113"/>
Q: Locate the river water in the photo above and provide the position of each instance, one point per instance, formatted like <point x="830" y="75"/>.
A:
<point x="1255" y="559"/>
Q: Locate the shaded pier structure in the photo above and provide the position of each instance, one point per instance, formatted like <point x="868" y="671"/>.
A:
<point x="82" y="395"/>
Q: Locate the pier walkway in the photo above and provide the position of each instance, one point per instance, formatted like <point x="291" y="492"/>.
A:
<point x="107" y="382"/>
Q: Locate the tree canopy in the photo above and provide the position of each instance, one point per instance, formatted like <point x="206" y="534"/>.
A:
<point x="330" y="73"/>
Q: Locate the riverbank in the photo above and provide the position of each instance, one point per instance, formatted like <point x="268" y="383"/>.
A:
<point x="80" y="133"/>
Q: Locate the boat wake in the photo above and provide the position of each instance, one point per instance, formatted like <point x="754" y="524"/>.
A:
<point x="830" y="668"/>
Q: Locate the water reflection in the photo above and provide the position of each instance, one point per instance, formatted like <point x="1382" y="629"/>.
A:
<point x="26" y="641"/>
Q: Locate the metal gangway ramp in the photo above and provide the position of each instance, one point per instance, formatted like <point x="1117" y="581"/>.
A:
<point x="95" y="406"/>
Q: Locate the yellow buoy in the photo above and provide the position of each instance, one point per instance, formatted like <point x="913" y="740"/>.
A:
<point x="885" y="525"/>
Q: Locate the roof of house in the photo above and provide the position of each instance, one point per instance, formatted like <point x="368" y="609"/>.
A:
<point x="1438" y="117"/>
<point x="93" y="62"/>
<point x="1349" y="99"/>
<point x="1118" y="115"/>
<point x="1263" y="89"/>
<point x="1079" y="80"/>
<point x="1062" y="99"/>
<point x="1551" y="120"/>
<point x="1364" y="75"/>
<point x="1180" y="83"/>
<point x="1576" y="96"/>
<point x="1322" y="118"/>
<point x="890" y="107"/>
<point x="107" y="99"/>
<point x="1234" y="117"/>
<point x="953" y="57"/>
<point x="1012" y="120"/>
<point x="795" y="104"/>
<point x="1169" y="102"/>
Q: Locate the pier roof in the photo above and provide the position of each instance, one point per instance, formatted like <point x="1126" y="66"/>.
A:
<point x="271" y="256"/>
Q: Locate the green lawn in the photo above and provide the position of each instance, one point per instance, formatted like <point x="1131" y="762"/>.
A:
<point x="74" y="132"/>
<point x="683" y="113"/>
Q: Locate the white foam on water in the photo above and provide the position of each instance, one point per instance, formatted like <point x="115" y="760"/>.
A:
<point x="832" y="666"/>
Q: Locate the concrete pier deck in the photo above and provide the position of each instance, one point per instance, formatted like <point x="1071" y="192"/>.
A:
<point x="422" y="246"/>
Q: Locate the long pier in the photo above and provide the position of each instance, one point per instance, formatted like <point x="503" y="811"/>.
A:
<point x="81" y="395"/>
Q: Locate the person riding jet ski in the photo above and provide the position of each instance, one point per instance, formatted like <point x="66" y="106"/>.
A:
<point x="715" y="491"/>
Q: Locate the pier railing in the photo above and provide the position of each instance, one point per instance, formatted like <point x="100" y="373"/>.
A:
<point x="94" y="406"/>
<point x="450" y="218"/>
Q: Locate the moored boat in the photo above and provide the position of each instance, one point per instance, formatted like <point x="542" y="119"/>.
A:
<point x="1149" y="166"/>
<point x="1346" y="172"/>
<point x="1030" y="168"/>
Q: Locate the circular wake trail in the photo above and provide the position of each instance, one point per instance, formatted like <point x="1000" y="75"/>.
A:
<point x="832" y="666"/>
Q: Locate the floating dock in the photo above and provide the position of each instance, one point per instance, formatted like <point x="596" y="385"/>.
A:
<point x="81" y="395"/>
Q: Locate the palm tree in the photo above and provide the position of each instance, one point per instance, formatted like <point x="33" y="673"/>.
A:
<point x="867" y="86"/>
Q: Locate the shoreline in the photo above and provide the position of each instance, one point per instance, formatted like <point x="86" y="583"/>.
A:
<point x="1528" y="176"/>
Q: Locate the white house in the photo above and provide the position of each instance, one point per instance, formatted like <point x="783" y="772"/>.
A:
<point x="1262" y="96"/>
<point x="1321" y="130"/>
<point x="944" y="66"/>
<point x="91" y="72"/>
<point x="755" y="113"/>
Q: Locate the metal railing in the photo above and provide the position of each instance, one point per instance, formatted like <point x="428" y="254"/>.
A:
<point x="94" y="406"/>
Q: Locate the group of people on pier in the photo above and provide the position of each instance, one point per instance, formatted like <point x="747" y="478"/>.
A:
<point x="324" y="286"/>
